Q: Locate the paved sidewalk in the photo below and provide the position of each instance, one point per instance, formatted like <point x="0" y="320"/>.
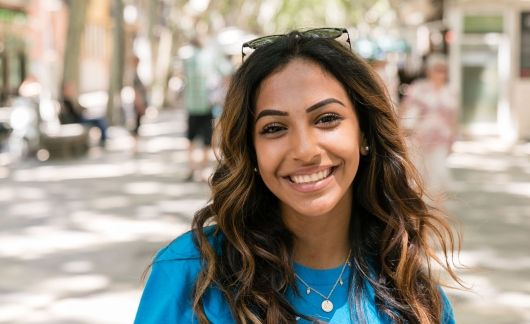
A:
<point x="491" y="199"/>
<point x="77" y="235"/>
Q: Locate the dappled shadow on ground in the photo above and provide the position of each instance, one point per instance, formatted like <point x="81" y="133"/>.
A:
<point x="76" y="236"/>
<point x="490" y="197"/>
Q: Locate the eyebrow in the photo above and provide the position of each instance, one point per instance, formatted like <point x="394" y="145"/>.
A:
<point x="324" y="103"/>
<point x="320" y="104"/>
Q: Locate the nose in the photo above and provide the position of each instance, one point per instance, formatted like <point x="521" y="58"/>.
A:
<point x="305" y="146"/>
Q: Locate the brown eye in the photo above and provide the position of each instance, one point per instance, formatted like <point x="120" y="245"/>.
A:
<point x="272" y="128"/>
<point x="329" y="119"/>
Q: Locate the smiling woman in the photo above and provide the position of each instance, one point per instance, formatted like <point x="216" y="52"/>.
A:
<point x="308" y="151"/>
<point x="316" y="213"/>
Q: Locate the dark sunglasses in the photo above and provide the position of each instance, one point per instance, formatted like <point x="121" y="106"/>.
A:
<point x="327" y="33"/>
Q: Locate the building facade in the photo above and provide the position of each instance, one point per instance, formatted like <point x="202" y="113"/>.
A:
<point x="490" y="65"/>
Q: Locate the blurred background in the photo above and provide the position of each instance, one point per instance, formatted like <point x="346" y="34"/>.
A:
<point x="97" y="172"/>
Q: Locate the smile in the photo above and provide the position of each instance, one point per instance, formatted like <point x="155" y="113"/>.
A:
<point x="311" y="178"/>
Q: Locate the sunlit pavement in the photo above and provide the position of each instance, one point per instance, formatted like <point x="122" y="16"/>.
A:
<point x="77" y="235"/>
<point x="491" y="199"/>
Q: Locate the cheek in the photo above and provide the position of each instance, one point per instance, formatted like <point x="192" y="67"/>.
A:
<point x="268" y="155"/>
<point x="345" y="142"/>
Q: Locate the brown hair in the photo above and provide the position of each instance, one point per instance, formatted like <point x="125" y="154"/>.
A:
<point x="394" y="233"/>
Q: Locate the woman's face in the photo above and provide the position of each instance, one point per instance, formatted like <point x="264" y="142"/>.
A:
<point x="438" y="73"/>
<point x="307" y="139"/>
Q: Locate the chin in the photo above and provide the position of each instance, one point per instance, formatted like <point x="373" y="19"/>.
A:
<point x="323" y="204"/>
<point x="314" y="210"/>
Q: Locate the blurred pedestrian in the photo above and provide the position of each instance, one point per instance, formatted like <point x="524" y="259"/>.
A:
<point x="198" y="106"/>
<point x="429" y="115"/>
<point x="73" y="112"/>
<point x="387" y="71"/>
<point x="317" y="210"/>
<point x="140" y="103"/>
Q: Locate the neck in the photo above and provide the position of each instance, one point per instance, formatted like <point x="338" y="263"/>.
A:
<point x="315" y="249"/>
<point x="320" y="242"/>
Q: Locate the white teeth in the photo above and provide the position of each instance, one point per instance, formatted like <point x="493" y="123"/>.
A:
<point x="311" y="177"/>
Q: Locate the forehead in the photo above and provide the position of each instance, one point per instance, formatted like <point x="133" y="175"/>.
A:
<point x="300" y="82"/>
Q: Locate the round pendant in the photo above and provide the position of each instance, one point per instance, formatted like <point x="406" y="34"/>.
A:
<point x="327" y="306"/>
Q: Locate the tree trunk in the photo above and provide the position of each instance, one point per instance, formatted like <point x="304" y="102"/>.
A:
<point x="76" y="26"/>
<point x="117" y="63"/>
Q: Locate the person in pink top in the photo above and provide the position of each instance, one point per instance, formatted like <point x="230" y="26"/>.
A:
<point x="429" y="114"/>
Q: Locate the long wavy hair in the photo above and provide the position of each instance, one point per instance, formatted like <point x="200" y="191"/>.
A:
<point x="395" y="236"/>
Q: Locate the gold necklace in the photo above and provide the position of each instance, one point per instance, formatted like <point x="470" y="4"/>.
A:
<point x="327" y="305"/>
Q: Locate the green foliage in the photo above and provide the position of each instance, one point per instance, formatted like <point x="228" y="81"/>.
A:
<point x="290" y="14"/>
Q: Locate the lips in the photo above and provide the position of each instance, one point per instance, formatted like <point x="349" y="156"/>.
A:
<point x="311" y="177"/>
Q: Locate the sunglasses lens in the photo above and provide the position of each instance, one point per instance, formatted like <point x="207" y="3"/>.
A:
<point x="262" y="41"/>
<point x="325" y="33"/>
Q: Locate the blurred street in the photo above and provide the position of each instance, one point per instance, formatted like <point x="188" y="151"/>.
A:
<point x="77" y="235"/>
<point x="491" y="198"/>
<point x="94" y="172"/>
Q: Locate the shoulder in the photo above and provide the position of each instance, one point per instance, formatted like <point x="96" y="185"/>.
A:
<point x="448" y="316"/>
<point x="418" y="86"/>
<point x="168" y="293"/>
<point x="184" y="247"/>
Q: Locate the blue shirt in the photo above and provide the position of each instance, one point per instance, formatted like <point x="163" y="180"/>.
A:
<point x="167" y="296"/>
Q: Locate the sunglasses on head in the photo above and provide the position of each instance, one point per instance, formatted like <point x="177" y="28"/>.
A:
<point x="326" y="33"/>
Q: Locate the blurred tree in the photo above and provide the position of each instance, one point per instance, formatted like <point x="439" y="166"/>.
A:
<point x="159" y="27"/>
<point x="161" y="38"/>
<point x="167" y="24"/>
<point x="76" y="26"/>
<point x="276" y="16"/>
<point x="154" y="15"/>
<point x="117" y="62"/>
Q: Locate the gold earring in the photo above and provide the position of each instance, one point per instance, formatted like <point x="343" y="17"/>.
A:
<point x="365" y="149"/>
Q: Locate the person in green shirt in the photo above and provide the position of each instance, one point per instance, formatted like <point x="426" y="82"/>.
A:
<point x="197" y="68"/>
